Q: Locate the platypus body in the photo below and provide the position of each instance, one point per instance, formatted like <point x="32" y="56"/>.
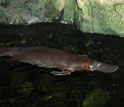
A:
<point x="54" y="58"/>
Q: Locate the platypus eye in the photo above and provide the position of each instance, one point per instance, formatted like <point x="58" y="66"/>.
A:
<point x="86" y="66"/>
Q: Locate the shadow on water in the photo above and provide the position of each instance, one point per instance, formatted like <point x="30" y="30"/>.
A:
<point x="30" y="86"/>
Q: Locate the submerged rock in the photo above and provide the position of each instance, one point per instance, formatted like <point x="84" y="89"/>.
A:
<point x="97" y="98"/>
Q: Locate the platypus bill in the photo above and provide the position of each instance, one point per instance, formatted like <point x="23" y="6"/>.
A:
<point x="54" y="58"/>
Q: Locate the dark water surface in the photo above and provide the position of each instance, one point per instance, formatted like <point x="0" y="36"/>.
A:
<point x="25" y="85"/>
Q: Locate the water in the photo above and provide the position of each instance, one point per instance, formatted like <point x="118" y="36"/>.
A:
<point x="30" y="86"/>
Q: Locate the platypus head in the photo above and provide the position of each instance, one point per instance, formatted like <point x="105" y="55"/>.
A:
<point x="102" y="67"/>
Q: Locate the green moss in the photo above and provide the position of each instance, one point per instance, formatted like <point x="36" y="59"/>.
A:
<point x="26" y="88"/>
<point x="96" y="99"/>
<point x="12" y="100"/>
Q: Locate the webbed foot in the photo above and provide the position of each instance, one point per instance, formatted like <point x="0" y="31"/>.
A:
<point x="62" y="73"/>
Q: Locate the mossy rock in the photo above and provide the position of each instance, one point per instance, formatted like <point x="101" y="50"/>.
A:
<point x="97" y="98"/>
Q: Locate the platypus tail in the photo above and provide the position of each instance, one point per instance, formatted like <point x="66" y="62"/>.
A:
<point x="102" y="67"/>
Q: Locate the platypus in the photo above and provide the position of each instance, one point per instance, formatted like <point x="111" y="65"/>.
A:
<point x="55" y="58"/>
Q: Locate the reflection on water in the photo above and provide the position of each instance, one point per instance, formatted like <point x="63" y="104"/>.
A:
<point x="26" y="85"/>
